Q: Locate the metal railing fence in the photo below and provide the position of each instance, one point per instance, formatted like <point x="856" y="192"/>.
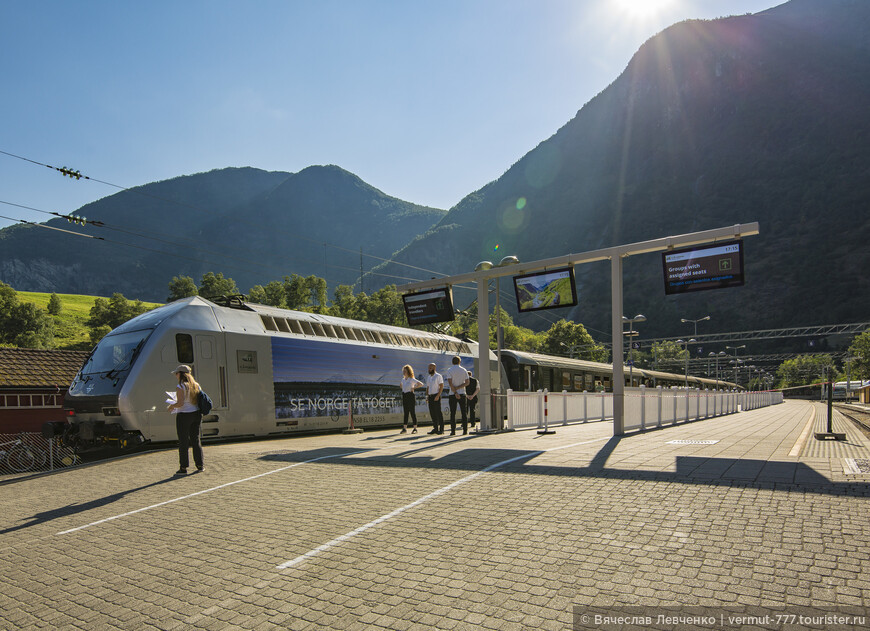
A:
<point x="644" y="407"/>
<point x="30" y="452"/>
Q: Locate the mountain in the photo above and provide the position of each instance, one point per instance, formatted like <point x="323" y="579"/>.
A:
<point x="252" y="225"/>
<point x="758" y="117"/>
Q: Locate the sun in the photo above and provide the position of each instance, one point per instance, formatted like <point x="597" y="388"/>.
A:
<point x="641" y="9"/>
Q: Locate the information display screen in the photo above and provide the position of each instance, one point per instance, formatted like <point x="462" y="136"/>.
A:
<point x="427" y="307"/>
<point x="703" y="267"/>
<point x="546" y="290"/>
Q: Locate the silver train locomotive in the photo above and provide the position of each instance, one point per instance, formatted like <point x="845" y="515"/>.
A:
<point x="269" y="372"/>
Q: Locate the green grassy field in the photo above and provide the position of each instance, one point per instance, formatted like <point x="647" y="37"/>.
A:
<point x="70" y="331"/>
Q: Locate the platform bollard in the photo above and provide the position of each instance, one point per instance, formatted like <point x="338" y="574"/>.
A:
<point x="546" y="429"/>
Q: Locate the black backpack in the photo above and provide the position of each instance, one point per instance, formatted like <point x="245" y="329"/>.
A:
<point x="204" y="403"/>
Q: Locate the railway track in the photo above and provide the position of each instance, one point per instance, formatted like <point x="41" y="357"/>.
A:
<point x="861" y="418"/>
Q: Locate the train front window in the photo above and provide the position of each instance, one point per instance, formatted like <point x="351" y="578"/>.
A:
<point x="115" y="353"/>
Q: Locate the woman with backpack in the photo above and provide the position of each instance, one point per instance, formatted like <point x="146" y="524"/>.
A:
<point x="188" y="419"/>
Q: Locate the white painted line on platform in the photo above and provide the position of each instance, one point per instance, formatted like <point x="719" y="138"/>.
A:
<point x="215" y="488"/>
<point x="799" y="445"/>
<point x="417" y="502"/>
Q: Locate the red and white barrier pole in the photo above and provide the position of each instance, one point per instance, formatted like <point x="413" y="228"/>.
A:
<point x="546" y="429"/>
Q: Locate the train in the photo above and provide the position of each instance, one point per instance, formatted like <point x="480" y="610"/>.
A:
<point x="273" y="372"/>
<point x="529" y="372"/>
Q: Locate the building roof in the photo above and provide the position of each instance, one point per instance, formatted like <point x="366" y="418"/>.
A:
<point x="34" y="368"/>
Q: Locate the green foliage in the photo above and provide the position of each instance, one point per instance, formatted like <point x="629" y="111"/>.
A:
<point x="23" y="324"/>
<point x="54" y="305"/>
<point x="669" y="356"/>
<point x="98" y="333"/>
<point x="572" y="338"/>
<point x="114" y="311"/>
<point x="215" y="285"/>
<point x="802" y="370"/>
<point x="181" y="287"/>
<point x="860" y="350"/>
<point x="257" y="295"/>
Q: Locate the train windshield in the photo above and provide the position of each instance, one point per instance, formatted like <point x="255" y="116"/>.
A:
<point x="115" y="354"/>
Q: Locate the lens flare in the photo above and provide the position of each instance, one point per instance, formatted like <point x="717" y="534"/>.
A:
<point x="521" y="203"/>
<point x="495" y="249"/>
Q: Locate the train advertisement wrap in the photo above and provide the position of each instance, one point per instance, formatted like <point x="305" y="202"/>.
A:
<point x="317" y="383"/>
<point x="707" y="267"/>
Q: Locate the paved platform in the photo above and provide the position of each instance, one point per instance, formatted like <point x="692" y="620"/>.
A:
<point x="387" y="531"/>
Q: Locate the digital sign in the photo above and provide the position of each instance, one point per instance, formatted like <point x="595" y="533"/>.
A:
<point x="698" y="268"/>
<point x="428" y="307"/>
<point x="546" y="290"/>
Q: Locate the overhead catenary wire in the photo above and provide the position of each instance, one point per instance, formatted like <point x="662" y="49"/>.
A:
<point x="78" y="175"/>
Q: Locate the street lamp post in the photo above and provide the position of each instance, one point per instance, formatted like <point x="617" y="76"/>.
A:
<point x="695" y="322"/>
<point x="483" y="325"/>
<point x="717" y="356"/>
<point x="691" y="341"/>
<point x="631" y="333"/>
<point x="735" y="349"/>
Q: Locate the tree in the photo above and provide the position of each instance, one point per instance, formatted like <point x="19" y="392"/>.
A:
<point x="317" y="292"/>
<point x="23" y="325"/>
<point x="385" y="307"/>
<point x="257" y="294"/>
<point x="669" y="355"/>
<point x="54" y="305"/>
<point x="181" y="287"/>
<point x="803" y="370"/>
<point x="296" y="292"/>
<point x="860" y="350"/>
<point x="114" y="312"/>
<point x="215" y="285"/>
<point x="566" y="337"/>
<point x="344" y="303"/>
<point x="274" y="295"/>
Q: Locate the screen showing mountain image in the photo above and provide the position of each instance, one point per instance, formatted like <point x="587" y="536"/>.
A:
<point x="546" y="290"/>
<point x="427" y="307"/>
<point x="713" y="266"/>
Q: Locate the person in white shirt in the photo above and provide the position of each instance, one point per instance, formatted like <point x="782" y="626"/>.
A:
<point x="187" y="419"/>
<point x="409" y="402"/>
<point x="434" y="386"/>
<point x="457" y="377"/>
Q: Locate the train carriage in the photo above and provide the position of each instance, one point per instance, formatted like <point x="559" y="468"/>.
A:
<point x="269" y="371"/>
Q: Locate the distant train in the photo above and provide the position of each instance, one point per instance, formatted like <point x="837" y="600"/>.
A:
<point x="272" y="372"/>
<point x="529" y="372"/>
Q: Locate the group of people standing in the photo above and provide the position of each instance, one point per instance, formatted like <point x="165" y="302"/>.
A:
<point x="463" y="393"/>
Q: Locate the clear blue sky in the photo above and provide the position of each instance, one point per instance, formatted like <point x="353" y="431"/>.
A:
<point x="425" y="100"/>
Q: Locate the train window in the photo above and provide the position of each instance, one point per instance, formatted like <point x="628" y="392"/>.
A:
<point x="566" y="380"/>
<point x="578" y="383"/>
<point x="282" y="325"/>
<point x="184" y="348"/>
<point x="268" y="322"/>
<point x="294" y="326"/>
<point x="590" y="383"/>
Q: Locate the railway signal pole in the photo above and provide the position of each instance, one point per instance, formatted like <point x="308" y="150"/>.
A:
<point x="615" y="255"/>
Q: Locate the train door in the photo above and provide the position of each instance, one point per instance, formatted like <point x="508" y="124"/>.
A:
<point x="208" y="368"/>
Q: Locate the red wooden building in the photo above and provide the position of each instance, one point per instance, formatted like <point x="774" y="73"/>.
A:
<point x="32" y="385"/>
